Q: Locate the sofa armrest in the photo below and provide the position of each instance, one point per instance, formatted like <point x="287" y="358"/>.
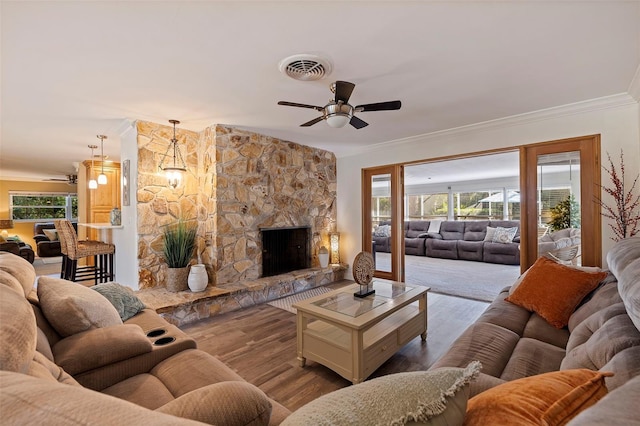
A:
<point x="229" y="403"/>
<point x="40" y="237"/>
<point x="10" y="247"/>
<point x="99" y="347"/>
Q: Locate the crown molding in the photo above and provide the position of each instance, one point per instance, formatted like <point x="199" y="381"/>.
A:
<point x="606" y="102"/>
<point x="634" y="87"/>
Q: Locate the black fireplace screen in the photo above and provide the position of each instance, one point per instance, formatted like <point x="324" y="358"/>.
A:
<point x="285" y="250"/>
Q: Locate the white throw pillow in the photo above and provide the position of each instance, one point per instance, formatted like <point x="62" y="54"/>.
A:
<point x="51" y="234"/>
<point x="504" y="235"/>
<point x="436" y="397"/>
<point x="382" y="231"/>
<point x="434" y="226"/>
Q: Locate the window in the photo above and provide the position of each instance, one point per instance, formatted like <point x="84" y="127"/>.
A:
<point x="427" y="206"/>
<point x="29" y="206"/>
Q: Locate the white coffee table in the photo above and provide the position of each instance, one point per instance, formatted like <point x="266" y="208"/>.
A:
<point x="354" y="336"/>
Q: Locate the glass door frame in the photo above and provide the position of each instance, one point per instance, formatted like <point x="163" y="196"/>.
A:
<point x="397" y="218"/>
<point x="590" y="172"/>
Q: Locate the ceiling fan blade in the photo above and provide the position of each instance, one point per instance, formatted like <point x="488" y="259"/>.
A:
<point x="380" y="106"/>
<point x="357" y="123"/>
<point x="293" y="104"/>
<point x="312" y="122"/>
<point x="344" y="90"/>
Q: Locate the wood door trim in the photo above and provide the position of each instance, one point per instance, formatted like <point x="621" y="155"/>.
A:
<point x="590" y="174"/>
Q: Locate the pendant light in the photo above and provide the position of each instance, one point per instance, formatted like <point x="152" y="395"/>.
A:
<point x="173" y="168"/>
<point x="93" y="184"/>
<point x="102" y="178"/>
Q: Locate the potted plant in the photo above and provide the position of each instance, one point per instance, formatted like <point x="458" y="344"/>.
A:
<point x="179" y="241"/>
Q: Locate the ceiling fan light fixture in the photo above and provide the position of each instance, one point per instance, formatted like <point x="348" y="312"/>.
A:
<point x="338" y="114"/>
<point x="338" y="120"/>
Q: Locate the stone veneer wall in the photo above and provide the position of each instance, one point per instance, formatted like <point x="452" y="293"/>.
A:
<point x="238" y="182"/>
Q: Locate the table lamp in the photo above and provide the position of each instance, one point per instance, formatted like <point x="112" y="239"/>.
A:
<point x="4" y="225"/>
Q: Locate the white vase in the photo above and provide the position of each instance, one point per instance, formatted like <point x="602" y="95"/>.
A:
<point x="324" y="259"/>
<point x="198" y="278"/>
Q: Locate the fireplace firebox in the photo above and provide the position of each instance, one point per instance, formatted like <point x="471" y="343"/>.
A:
<point x="285" y="249"/>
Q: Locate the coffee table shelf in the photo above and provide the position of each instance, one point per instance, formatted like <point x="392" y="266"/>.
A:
<point x="355" y="346"/>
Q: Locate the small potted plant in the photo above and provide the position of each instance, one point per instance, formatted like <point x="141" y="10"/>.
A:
<point x="179" y="241"/>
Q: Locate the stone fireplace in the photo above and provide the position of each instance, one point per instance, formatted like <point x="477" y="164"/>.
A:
<point x="238" y="182"/>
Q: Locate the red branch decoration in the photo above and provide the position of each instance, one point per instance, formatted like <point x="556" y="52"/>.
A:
<point x="624" y="215"/>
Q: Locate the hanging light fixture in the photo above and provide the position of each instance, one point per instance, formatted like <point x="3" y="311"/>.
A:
<point x="93" y="184"/>
<point x="102" y="178"/>
<point x="173" y="169"/>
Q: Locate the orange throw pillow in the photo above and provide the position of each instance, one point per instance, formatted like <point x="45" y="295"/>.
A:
<point x="546" y="399"/>
<point x="553" y="290"/>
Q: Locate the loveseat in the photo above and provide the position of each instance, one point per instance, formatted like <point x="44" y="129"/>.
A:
<point x="459" y="239"/>
<point x="67" y="357"/>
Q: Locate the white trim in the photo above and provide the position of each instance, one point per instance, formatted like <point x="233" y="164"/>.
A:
<point x="606" y="102"/>
<point x="634" y="87"/>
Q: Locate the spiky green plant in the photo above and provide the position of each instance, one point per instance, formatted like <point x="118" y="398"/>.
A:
<point x="179" y="243"/>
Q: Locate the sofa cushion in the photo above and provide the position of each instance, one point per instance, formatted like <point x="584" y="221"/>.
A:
<point x="629" y="289"/>
<point x="618" y="407"/>
<point x="531" y="357"/>
<point x="452" y="230"/>
<point x="553" y="290"/>
<point x="475" y="230"/>
<point x="603" y="296"/>
<point x="19" y="269"/>
<point x="236" y="404"/>
<point x="122" y="298"/>
<point x="98" y="347"/>
<point x="43" y="368"/>
<point x="609" y="341"/>
<point x="28" y="400"/>
<point x="429" y="397"/>
<point x="18" y="331"/>
<point x="72" y="308"/>
<point x="551" y="398"/>
<point x="145" y="390"/>
<point x="488" y="343"/>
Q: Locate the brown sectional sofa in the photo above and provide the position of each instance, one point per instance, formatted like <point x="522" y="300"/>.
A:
<point x="459" y="239"/>
<point x="602" y="334"/>
<point x="117" y="374"/>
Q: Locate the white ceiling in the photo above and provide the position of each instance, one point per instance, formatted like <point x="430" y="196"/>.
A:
<point x="72" y="70"/>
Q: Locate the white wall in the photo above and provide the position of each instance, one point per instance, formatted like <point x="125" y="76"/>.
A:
<point x="126" y="238"/>
<point x="615" y="118"/>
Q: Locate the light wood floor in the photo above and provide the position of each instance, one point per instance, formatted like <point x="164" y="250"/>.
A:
<point x="259" y="343"/>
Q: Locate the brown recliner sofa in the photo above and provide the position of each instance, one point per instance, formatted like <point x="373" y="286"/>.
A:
<point x="44" y="246"/>
<point x="142" y="371"/>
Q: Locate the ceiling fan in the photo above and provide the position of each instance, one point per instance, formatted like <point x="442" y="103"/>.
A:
<point x="338" y="112"/>
<point x="70" y="179"/>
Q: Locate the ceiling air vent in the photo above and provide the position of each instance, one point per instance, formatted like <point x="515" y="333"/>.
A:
<point x="305" y="67"/>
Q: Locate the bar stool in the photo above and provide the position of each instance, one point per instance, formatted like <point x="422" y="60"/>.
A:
<point x="73" y="250"/>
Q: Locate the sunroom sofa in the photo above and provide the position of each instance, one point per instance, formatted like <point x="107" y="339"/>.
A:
<point x="66" y="357"/>
<point x="459" y="239"/>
